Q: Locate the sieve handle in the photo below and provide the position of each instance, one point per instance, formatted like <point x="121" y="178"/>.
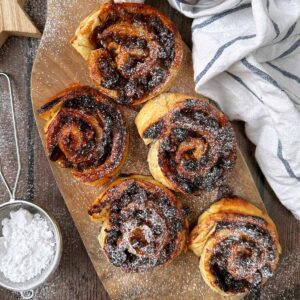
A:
<point x="12" y="191"/>
<point x="27" y="294"/>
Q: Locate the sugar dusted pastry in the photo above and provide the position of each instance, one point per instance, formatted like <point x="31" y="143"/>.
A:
<point x="86" y="133"/>
<point x="133" y="51"/>
<point x="192" y="143"/>
<point x="238" y="246"/>
<point x="143" y="224"/>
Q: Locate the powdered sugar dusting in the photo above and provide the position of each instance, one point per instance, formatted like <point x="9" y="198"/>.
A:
<point x="197" y="145"/>
<point x="144" y="227"/>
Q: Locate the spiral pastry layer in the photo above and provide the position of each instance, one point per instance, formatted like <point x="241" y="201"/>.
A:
<point x="238" y="245"/>
<point x="86" y="133"/>
<point x="193" y="144"/>
<point x="143" y="224"/>
<point x="133" y="50"/>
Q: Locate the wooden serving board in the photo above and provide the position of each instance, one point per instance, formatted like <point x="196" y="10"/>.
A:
<point x="58" y="65"/>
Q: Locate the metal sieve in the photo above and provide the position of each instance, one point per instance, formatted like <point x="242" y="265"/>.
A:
<point x="26" y="288"/>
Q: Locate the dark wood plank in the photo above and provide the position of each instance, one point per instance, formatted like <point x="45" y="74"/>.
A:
<point x="76" y="278"/>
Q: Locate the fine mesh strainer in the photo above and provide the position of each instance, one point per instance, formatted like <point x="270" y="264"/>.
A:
<point x="26" y="288"/>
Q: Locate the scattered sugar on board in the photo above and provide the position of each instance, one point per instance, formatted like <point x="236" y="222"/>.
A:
<point x="26" y="247"/>
<point x="140" y="286"/>
<point x="284" y="284"/>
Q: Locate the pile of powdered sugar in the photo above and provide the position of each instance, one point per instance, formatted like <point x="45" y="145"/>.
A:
<point x="27" y="246"/>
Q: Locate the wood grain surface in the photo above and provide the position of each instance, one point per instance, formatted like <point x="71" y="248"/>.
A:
<point x="14" y="21"/>
<point x="76" y="278"/>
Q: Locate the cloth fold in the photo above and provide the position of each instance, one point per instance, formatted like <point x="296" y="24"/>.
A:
<point x="246" y="56"/>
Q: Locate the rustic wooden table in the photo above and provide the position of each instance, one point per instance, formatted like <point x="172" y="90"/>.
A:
<point x="76" y="278"/>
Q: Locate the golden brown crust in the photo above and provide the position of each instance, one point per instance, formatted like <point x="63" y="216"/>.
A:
<point x="86" y="133"/>
<point x="81" y="40"/>
<point x="238" y="244"/>
<point x="156" y="109"/>
<point x="193" y="144"/>
<point x="143" y="224"/>
<point x="134" y="52"/>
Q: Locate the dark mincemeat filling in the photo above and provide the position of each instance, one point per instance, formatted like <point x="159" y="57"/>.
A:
<point x="95" y="154"/>
<point x="153" y="131"/>
<point x="119" y="215"/>
<point x="218" y="262"/>
<point x="49" y="105"/>
<point x="131" y="89"/>
<point x="169" y="146"/>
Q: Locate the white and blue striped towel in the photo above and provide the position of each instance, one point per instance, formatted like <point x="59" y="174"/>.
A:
<point x="246" y="56"/>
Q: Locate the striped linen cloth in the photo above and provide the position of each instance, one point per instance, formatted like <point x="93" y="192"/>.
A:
<point x="246" y="56"/>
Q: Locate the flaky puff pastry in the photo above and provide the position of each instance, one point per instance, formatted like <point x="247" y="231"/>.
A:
<point x="193" y="145"/>
<point x="133" y="51"/>
<point x="143" y="224"/>
<point x="86" y="133"/>
<point x="238" y="246"/>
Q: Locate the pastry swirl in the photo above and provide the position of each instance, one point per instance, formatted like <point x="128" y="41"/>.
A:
<point x="86" y="133"/>
<point x="133" y="51"/>
<point x="238" y="245"/>
<point x="143" y="224"/>
<point x="193" y="144"/>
